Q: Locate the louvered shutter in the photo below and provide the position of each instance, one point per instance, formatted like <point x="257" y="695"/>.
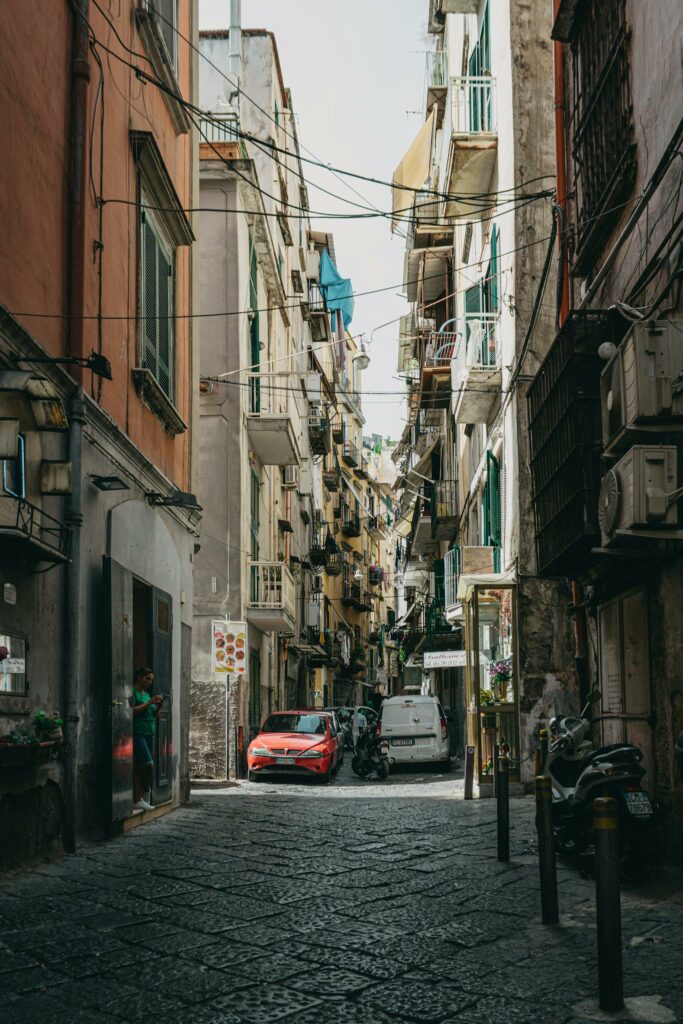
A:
<point x="157" y="308"/>
<point x="150" y="305"/>
<point x="165" y="327"/>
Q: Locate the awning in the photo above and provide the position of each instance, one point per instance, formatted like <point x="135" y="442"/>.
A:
<point x="403" y="618"/>
<point x="413" y="170"/>
<point x="429" y="267"/>
<point x="414" y="576"/>
<point x="415" y="476"/>
<point x="467" y="581"/>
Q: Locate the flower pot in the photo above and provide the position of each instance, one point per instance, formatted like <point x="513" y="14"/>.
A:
<point x="26" y="755"/>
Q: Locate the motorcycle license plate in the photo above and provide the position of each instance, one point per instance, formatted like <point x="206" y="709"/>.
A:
<point x="638" y="804"/>
<point x="403" y="743"/>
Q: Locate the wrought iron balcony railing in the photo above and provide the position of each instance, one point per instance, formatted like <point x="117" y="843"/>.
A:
<point x="474" y="104"/>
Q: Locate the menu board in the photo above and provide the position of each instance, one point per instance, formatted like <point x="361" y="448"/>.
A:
<point x="229" y="650"/>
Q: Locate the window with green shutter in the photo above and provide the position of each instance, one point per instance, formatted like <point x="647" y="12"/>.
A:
<point x="157" y="303"/>
<point x="491" y="507"/>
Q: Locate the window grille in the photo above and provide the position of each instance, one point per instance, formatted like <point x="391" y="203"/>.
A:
<point x="601" y="124"/>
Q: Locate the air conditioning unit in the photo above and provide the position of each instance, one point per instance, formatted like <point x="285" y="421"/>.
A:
<point x="641" y="387"/>
<point x="316" y="584"/>
<point x="290" y="477"/>
<point x="638" y="497"/>
<point x="305" y="483"/>
<point x="313" y="615"/>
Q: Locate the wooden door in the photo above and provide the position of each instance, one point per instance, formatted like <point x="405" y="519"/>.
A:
<point x="162" y="665"/>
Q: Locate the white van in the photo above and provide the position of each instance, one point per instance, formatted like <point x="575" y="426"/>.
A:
<point x="415" y="729"/>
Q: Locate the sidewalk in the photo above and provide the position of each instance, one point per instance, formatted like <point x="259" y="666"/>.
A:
<point x="302" y="909"/>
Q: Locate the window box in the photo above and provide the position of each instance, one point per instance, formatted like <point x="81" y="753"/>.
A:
<point x="27" y="755"/>
<point x="154" y="398"/>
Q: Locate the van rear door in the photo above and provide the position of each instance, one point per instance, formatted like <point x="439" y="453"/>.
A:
<point x="411" y="724"/>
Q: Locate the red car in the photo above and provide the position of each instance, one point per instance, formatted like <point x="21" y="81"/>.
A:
<point x="296" y="743"/>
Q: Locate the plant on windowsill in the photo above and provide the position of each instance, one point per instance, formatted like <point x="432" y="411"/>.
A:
<point x="500" y="673"/>
<point x="19" y="749"/>
<point x="48" y="728"/>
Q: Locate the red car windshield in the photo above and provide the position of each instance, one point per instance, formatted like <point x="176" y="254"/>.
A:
<point x="295" y="723"/>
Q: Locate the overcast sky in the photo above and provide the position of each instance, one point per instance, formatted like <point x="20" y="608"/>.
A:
<point x="355" y="69"/>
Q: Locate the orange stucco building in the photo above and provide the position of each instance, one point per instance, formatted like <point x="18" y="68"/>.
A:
<point x="97" y="519"/>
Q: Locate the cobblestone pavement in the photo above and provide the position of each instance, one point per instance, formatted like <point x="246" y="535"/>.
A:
<point x="359" y="903"/>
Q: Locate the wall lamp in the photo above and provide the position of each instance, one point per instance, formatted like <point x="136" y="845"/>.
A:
<point x="95" y="362"/>
<point x="176" y="499"/>
<point x="109" y="483"/>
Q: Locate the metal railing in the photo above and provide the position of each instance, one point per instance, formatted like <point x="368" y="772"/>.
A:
<point x="350" y="520"/>
<point x="476" y="345"/>
<point x="316" y="300"/>
<point x="269" y="394"/>
<point x="451" y="566"/>
<point x="437" y="70"/>
<point x="444" y="500"/>
<point x="20" y="517"/>
<point x="441" y="348"/>
<point x="427" y="208"/>
<point x="220" y="128"/>
<point x="272" y="587"/>
<point x="474" y="104"/>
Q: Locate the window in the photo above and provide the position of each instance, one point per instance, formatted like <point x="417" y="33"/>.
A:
<point x="491" y="508"/>
<point x="255" y="521"/>
<point x="14" y="472"/>
<point x="601" y="124"/>
<point x="167" y="16"/>
<point x="157" y="302"/>
<point x="12" y="664"/>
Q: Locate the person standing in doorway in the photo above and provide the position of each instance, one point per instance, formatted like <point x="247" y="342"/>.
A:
<point x="145" y="710"/>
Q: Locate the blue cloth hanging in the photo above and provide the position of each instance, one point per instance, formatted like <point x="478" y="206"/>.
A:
<point x="337" y="290"/>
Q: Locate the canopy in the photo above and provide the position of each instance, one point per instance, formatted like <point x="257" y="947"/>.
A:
<point x="337" y="290"/>
<point x="467" y="581"/>
<point x="413" y="169"/>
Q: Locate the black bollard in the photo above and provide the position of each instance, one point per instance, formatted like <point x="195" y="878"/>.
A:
<point x="469" y="773"/>
<point x="503" y="807"/>
<point x="608" y="904"/>
<point x="546" y="850"/>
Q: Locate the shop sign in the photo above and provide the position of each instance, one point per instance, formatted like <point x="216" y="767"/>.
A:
<point x="229" y="649"/>
<point x="445" y="659"/>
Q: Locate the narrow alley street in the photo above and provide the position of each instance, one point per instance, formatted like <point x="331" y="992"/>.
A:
<point x="359" y="903"/>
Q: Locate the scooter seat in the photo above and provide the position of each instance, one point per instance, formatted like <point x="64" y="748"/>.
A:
<point x="629" y="752"/>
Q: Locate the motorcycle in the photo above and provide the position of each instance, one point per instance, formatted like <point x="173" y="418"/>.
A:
<point x="371" y="755"/>
<point x="579" y="773"/>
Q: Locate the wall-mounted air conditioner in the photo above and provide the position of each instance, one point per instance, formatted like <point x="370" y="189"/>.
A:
<point x="316" y="584"/>
<point x="313" y="615"/>
<point x="312" y="384"/>
<point x="290" y="477"/>
<point x="638" y="497"/>
<point x="642" y="385"/>
<point x="305" y="484"/>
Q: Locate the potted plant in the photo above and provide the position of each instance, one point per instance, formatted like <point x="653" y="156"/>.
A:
<point x="48" y="728"/>
<point x="500" y="673"/>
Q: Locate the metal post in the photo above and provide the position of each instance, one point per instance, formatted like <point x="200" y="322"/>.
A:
<point x="608" y="903"/>
<point x="546" y="851"/>
<point x="469" y="772"/>
<point x="503" y="807"/>
<point x="543" y="737"/>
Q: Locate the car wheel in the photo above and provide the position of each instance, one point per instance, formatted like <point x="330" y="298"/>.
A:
<point x="326" y="776"/>
<point x="252" y="776"/>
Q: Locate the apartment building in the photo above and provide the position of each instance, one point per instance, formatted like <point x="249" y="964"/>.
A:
<point x="98" y="518"/>
<point x="605" y="407"/>
<point x="474" y="193"/>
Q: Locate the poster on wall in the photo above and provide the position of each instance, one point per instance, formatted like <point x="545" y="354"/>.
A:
<point x="229" y="650"/>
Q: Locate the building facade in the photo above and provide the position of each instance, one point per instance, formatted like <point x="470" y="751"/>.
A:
<point x="479" y="229"/>
<point x="97" y="368"/>
<point x="605" y="407"/>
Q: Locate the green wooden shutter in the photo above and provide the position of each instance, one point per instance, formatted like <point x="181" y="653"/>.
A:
<point x="164" y="324"/>
<point x="474" y="70"/>
<point x="439" y="582"/>
<point x="495" y="270"/>
<point x="473" y="299"/>
<point x="491" y="509"/>
<point x="157" y="307"/>
<point x="150" y="295"/>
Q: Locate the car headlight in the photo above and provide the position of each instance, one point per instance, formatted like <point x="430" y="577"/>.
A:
<point x="311" y="753"/>
<point x="260" y="752"/>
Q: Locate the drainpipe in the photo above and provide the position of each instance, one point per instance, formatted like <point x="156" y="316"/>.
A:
<point x="578" y="608"/>
<point x="235" y="41"/>
<point x="80" y="79"/>
<point x="72" y="608"/>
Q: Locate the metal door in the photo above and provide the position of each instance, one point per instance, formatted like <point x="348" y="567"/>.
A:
<point x="161" y="632"/>
<point x="118" y="654"/>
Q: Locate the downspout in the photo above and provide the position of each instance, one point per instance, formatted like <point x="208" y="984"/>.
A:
<point x="235" y="42"/>
<point x="578" y="608"/>
<point x="80" y="78"/>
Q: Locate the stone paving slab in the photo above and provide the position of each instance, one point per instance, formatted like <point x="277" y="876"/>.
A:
<point x="287" y="904"/>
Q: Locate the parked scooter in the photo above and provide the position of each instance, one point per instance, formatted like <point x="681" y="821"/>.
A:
<point x="371" y="755"/>
<point x="579" y="773"/>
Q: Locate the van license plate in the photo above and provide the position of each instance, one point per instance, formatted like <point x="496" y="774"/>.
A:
<point x="638" y="804"/>
<point x="403" y="743"/>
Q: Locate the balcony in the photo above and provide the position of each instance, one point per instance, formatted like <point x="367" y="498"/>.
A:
<point x="444" y="509"/>
<point x="565" y="434"/>
<point x="331" y="480"/>
<point x="376" y="525"/>
<point x="366" y="602"/>
<point x="475" y="369"/>
<point x="437" y="80"/>
<point x="219" y="138"/>
<point x="466" y="560"/>
<point x="350" y="518"/>
<point x="270" y="425"/>
<point x="438" y="9"/>
<point x="319" y="435"/>
<point x="26" y="528"/>
<point x="436" y="370"/>
<point x="350" y="455"/>
<point x="422" y="540"/>
<point x="351" y="593"/>
<point x="272" y="597"/>
<point x="474" y="143"/>
<point x="375" y="575"/>
<point x="362" y="467"/>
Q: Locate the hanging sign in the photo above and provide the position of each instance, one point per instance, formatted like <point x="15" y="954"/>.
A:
<point x="445" y="659"/>
<point x="229" y="650"/>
